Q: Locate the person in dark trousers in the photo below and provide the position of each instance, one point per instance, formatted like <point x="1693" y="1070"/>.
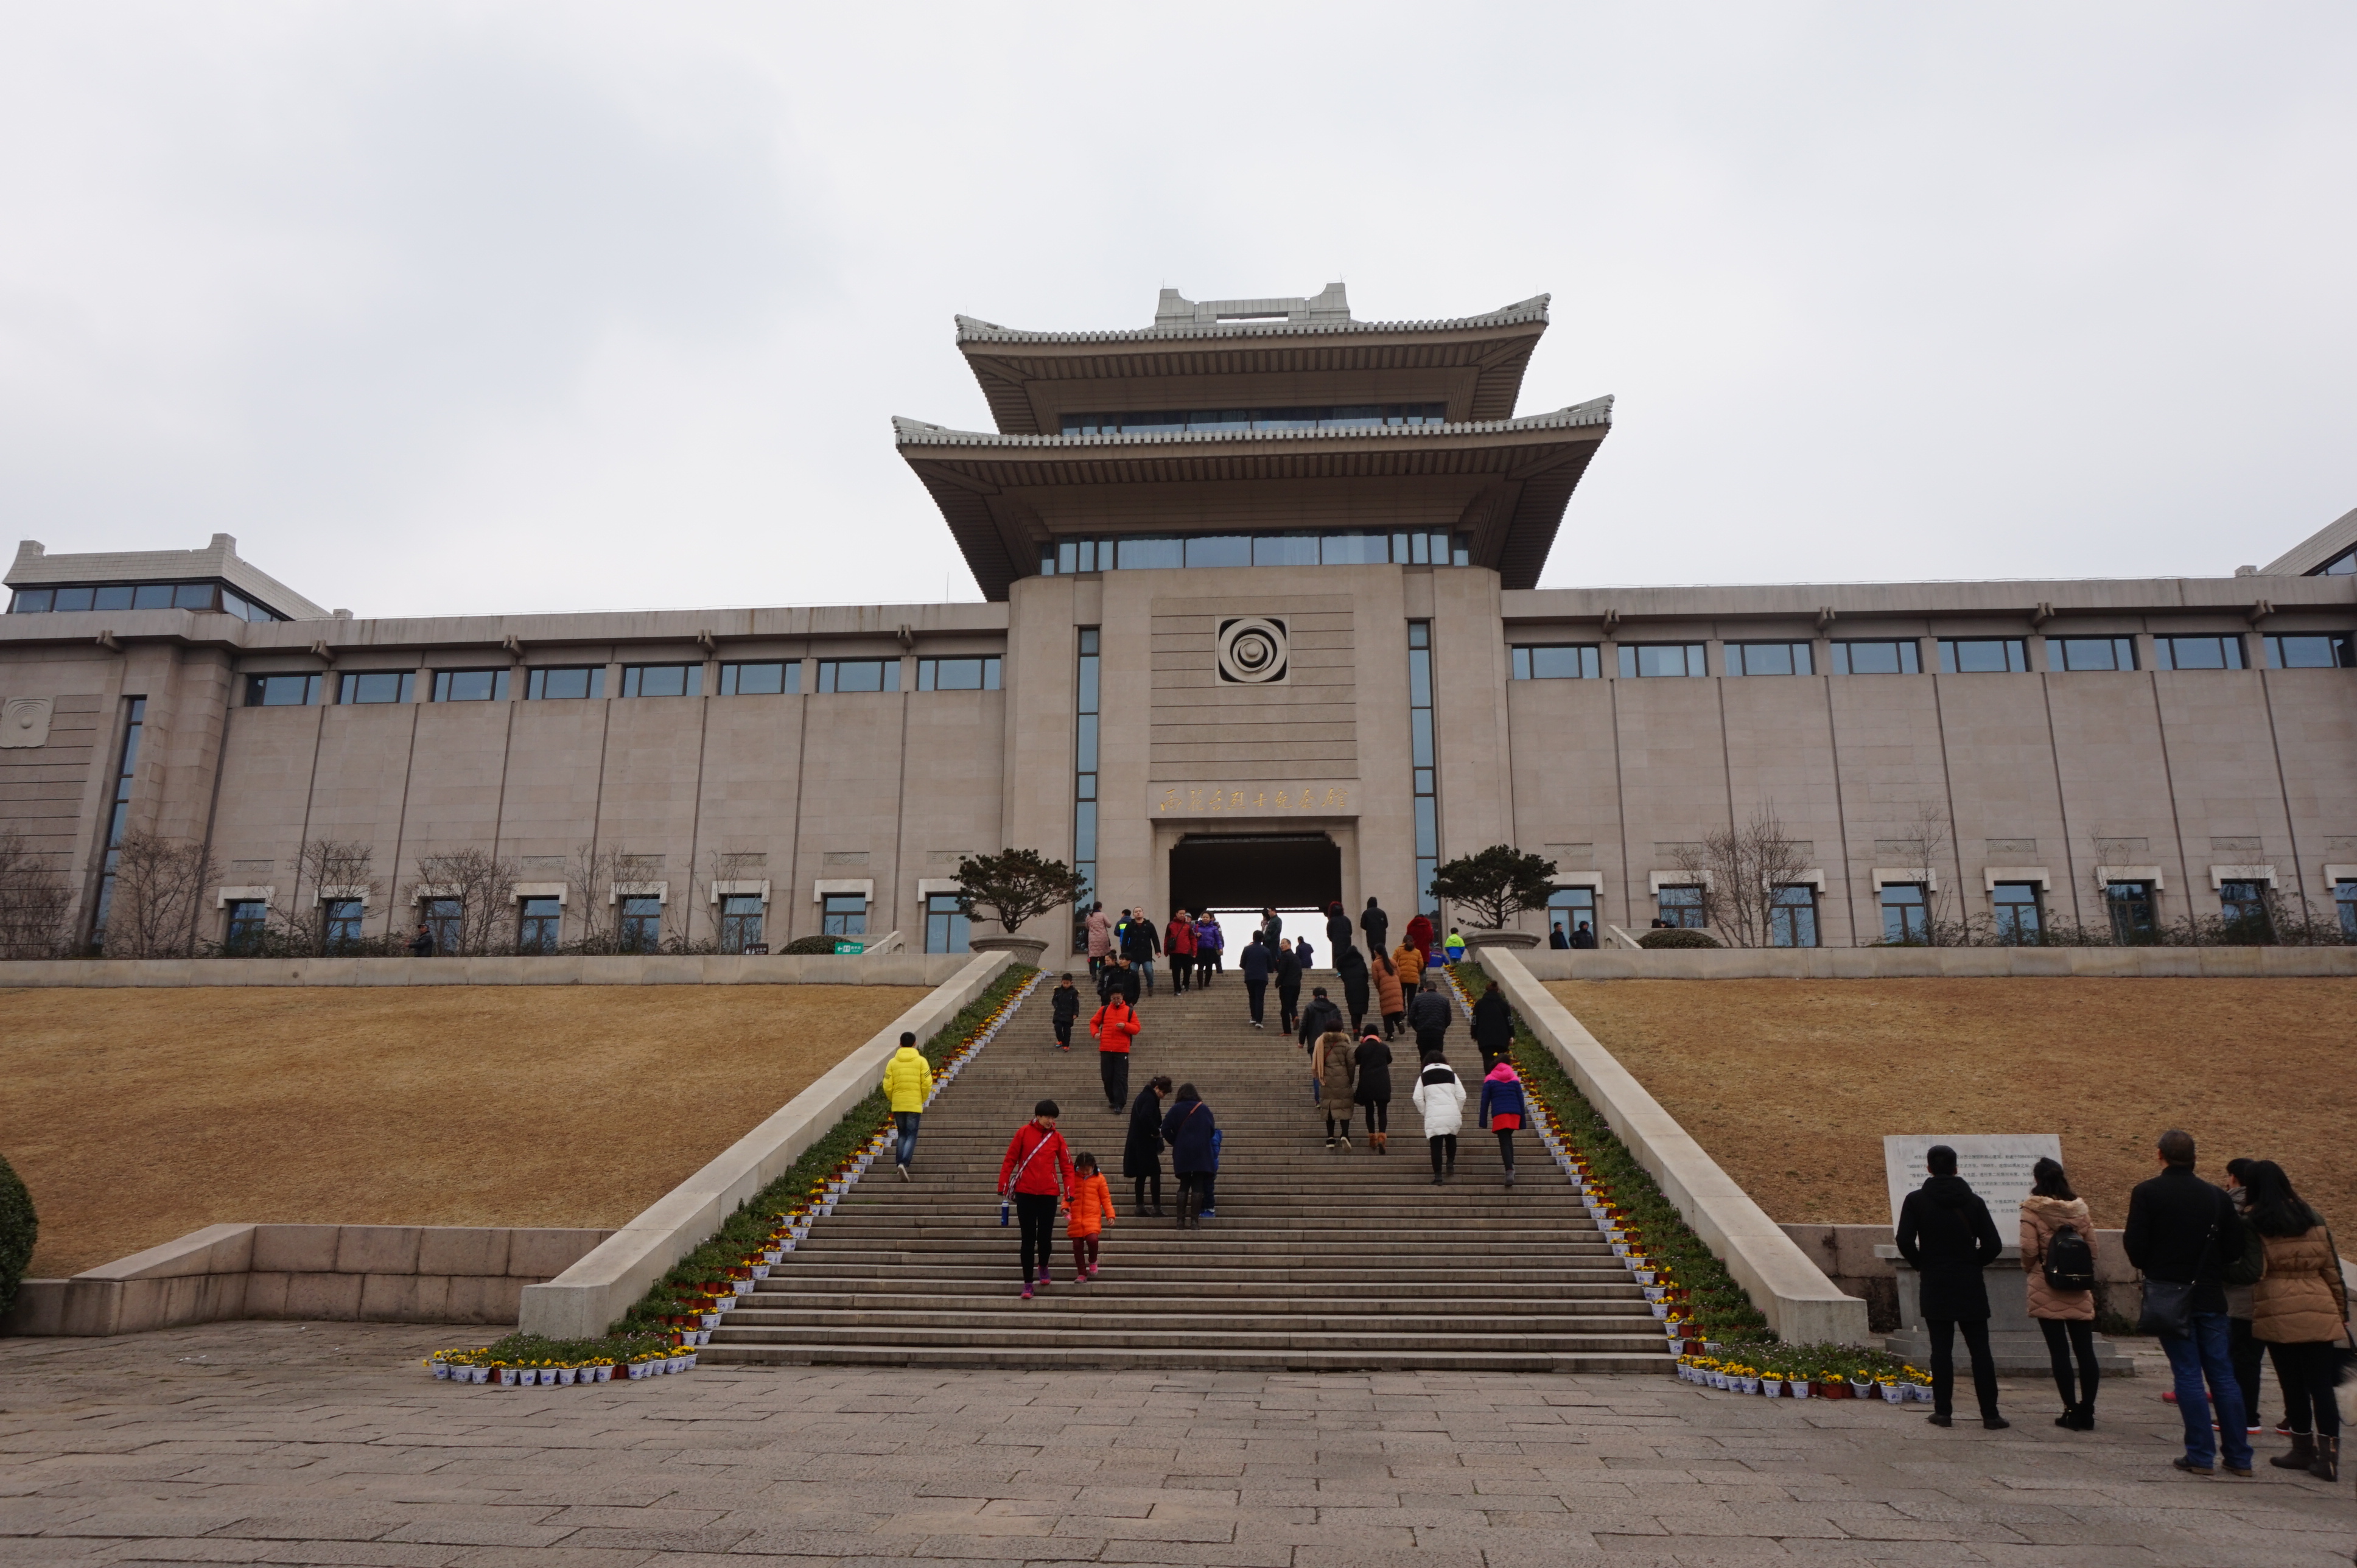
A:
<point x="2067" y="1317"/>
<point x="422" y="944"/>
<point x="1945" y="1232"/>
<point x="1254" y="966"/>
<point x="1557" y="939"/>
<point x="2242" y="1346"/>
<point x="1337" y="928"/>
<point x="1391" y="994"/>
<point x="1178" y="942"/>
<point x="1504" y="1110"/>
<point x="1100" y="930"/>
<point x="1584" y="938"/>
<point x="2183" y="1232"/>
<point x="1188" y="1129"/>
<point x="1115" y="1026"/>
<point x="1440" y="1100"/>
<point x="1304" y="954"/>
<point x="1139" y="944"/>
<point x="1377" y="925"/>
<point x="1210" y="943"/>
<point x="1271" y="929"/>
<point x="1321" y="1016"/>
<point x="1374" y="1091"/>
<point x="1351" y="965"/>
<point x="1066" y="1001"/>
<point x="1430" y="1014"/>
<point x="1141" y="1151"/>
<point x="1334" y="1065"/>
<point x="1285" y="969"/>
<point x="1119" y="977"/>
<point x="1037" y="1173"/>
<point x="2299" y="1310"/>
<point x="1493" y="1026"/>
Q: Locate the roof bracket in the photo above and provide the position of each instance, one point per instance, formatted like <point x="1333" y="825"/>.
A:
<point x="1825" y="616"/>
<point x="1611" y="619"/>
<point x="907" y="638"/>
<point x="2260" y="610"/>
<point x="325" y="654"/>
<point x="706" y="641"/>
<point x="512" y="646"/>
<point x="2041" y="615"/>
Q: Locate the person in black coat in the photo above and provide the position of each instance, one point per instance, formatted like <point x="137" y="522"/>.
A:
<point x="1286" y="970"/>
<point x="1584" y="938"/>
<point x="1253" y="963"/>
<point x="1945" y="1232"/>
<point x="1066" y="1000"/>
<point x="1378" y="927"/>
<point x="1271" y="929"/>
<point x="1141" y="1151"/>
<point x="1187" y="1129"/>
<point x="2181" y="1231"/>
<point x="1430" y="1014"/>
<point x="1320" y="1016"/>
<point x="1375" y="1091"/>
<point x="1139" y="943"/>
<point x="1493" y="1027"/>
<point x="1351" y="965"/>
<point x="1337" y="928"/>
<point x="1118" y="978"/>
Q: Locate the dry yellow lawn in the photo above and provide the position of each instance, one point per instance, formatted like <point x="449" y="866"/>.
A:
<point x="1790" y="1084"/>
<point x="136" y="1116"/>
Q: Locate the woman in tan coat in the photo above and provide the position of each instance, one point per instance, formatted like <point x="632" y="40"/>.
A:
<point x="1408" y="958"/>
<point x="1335" y="1065"/>
<point x="2299" y="1310"/>
<point x="1391" y="996"/>
<point x="2067" y="1317"/>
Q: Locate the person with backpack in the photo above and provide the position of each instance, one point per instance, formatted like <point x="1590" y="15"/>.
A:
<point x="1115" y="1026"/>
<point x="1430" y="1014"/>
<point x="1335" y="1070"/>
<point x="1037" y="1173"/>
<point x="2182" y="1233"/>
<point x="1321" y="1016"/>
<point x="2058" y="1254"/>
<point x="1946" y="1234"/>
<point x="1504" y="1110"/>
<point x="1373" y="1059"/>
<point x="2299" y="1310"/>
<point x="1188" y="1129"/>
<point x="1065" y="1001"/>
<point x="1440" y="1099"/>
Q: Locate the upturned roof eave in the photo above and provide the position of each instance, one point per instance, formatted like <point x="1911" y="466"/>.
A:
<point x="910" y="435"/>
<point x="1531" y="312"/>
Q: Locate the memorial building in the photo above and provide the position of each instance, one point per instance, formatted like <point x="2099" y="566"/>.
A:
<point x="1260" y="626"/>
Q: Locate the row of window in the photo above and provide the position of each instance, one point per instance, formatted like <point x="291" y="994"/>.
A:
<point x="770" y="679"/>
<point x="540" y="922"/>
<point x="1958" y="656"/>
<point x="1342" y="416"/>
<point x="1422" y="548"/>
<point x="218" y="597"/>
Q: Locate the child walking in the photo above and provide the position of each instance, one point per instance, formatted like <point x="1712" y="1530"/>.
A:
<point x="1086" y="1214"/>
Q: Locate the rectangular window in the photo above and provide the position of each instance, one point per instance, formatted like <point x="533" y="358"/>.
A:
<point x="1679" y="906"/>
<point x="2243" y="906"/>
<point x="2129" y="904"/>
<point x="206" y="596"/>
<point x="579" y="682"/>
<point x="1770" y="659"/>
<point x="1220" y="550"/>
<point x="740" y="921"/>
<point x="1558" y="662"/>
<point x="1424" y="770"/>
<point x="538" y="926"/>
<point x="2344" y="899"/>
<point x="2320" y="652"/>
<point x="1570" y="910"/>
<point x="958" y="674"/>
<point x="1137" y="554"/>
<point x="2015" y="905"/>
<point x="1640" y="660"/>
<point x="663" y="680"/>
<point x="445" y="919"/>
<point x="281" y="691"/>
<point x="945" y="928"/>
<point x="842" y="915"/>
<point x="470" y="686"/>
<point x="1084" y="784"/>
<point x="1284" y="550"/>
<point x="2198" y="653"/>
<point x="1906" y="915"/>
<point x="248" y="917"/>
<point x="118" y="815"/>
<point x="1354" y="550"/>
<point x="1982" y="655"/>
<point x="1898" y="656"/>
<point x="31" y="601"/>
<point x="641" y="928"/>
<point x="858" y="674"/>
<point x="376" y="686"/>
<point x="2091" y="652"/>
<point x="771" y="680"/>
<point x="339" y="922"/>
<point x="1792" y="915"/>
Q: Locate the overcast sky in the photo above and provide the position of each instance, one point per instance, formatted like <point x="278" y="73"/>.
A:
<point x="512" y="307"/>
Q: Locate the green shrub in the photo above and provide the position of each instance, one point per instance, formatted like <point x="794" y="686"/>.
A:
<point x="1678" y="938"/>
<point x="808" y="947"/>
<point x="18" y="1227"/>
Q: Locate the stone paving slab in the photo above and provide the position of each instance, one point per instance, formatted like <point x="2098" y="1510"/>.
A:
<point x="269" y="1443"/>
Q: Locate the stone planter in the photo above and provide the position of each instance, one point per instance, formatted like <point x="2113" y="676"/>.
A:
<point x="1501" y="940"/>
<point x="1026" y="950"/>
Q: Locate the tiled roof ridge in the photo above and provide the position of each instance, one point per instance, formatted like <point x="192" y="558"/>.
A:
<point x="972" y="329"/>
<point x="906" y="432"/>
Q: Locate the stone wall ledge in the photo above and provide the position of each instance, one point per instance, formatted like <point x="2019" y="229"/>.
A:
<point x="655" y="969"/>
<point x="1942" y="963"/>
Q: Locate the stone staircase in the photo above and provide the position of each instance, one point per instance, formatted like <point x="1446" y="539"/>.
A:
<point x="1317" y="1261"/>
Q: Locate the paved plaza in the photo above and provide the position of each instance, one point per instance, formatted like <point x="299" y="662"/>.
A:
<point x="327" y="1444"/>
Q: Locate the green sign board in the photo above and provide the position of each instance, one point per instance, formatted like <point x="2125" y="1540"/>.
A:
<point x="845" y="947"/>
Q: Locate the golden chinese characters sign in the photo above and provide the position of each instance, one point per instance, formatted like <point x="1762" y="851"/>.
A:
<point x="1251" y="800"/>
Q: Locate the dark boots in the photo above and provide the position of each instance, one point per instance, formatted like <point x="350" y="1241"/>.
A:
<point x="2302" y="1454"/>
<point x="2327" y="1459"/>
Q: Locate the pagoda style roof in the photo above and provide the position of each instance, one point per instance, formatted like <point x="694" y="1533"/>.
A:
<point x="1504" y="482"/>
<point x="1241" y="353"/>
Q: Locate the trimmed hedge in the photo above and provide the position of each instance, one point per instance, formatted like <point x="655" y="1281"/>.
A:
<point x="19" y="1228"/>
<point x="1677" y="937"/>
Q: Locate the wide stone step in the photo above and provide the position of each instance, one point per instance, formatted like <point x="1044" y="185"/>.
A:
<point x="1013" y="1314"/>
<point x="920" y="1270"/>
<point x="1048" y="1358"/>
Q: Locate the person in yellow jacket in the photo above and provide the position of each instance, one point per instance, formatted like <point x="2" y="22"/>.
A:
<point x="908" y="1078"/>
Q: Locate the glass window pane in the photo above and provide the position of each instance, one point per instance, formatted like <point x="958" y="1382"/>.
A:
<point x="192" y="597"/>
<point x="1561" y="663"/>
<point x="1521" y="663"/>
<point x="1419" y="728"/>
<point x="1761" y="659"/>
<point x="1427" y="825"/>
<point x="1084" y="830"/>
<point x="1419" y="634"/>
<point x="1087" y="694"/>
<point x="31" y="601"/>
<point x="2321" y="652"/>
<point x="1284" y="550"/>
<point x="151" y="596"/>
<point x="74" y="598"/>
<point x="1084" y="755"/>
<point x="113" y="598"/>
<point x="1151" y="553"/>
<point x="957" y="675"/>
<point x="1220" y="550"/>
<point x="1355" y="549"/>
<point x="1419" y="677"/>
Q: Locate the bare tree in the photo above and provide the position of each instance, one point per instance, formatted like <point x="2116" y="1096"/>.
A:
<point x="331" y="870"/>
<point x="159" y="888"/>
<point x="483" y="884"/>
<point x="590" y="873"/>
<point x="1921" y="841"/>
<point x="727" y="866"/>
<point x="35" y="904"/>
<point x="1740" y="871"/>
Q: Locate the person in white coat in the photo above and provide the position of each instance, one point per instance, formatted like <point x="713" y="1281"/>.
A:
<point x="1440" y="1099"/>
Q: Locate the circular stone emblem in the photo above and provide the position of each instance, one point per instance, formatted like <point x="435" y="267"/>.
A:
<point x="1252" y="651"/>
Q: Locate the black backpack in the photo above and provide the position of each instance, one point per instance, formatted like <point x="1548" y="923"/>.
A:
<point x="2070" y="1262"/>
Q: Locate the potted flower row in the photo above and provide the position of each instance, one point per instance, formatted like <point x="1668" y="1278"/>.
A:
<point x="480" y="1367"/>
<point x="1759" y="1370"/>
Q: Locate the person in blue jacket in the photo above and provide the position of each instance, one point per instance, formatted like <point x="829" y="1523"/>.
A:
<point x="1255" y="962"/>
<point x="1188" y="1129"/>
<point x="1504" y="1110"/>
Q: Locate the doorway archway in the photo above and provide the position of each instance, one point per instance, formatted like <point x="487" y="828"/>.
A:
<point x="1255" y="871"/>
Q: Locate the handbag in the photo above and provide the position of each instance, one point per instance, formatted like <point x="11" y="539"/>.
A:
<point x="2168" y="1304"/>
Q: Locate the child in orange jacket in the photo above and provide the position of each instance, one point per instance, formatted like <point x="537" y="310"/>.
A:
<point x="1086" y="1214"/>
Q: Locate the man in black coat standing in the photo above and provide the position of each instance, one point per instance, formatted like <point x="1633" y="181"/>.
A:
<point x="2183" y="1232"/>
<point x="1317" y="1018"/>
<point x="1254" y="963"/>
<point x="1945" y="1232"/>
<point x="1286" y="967"/>
<point x="1378" y="927"/>
<point x="1430" y="1014"/>
<point x="1338" y="928"/>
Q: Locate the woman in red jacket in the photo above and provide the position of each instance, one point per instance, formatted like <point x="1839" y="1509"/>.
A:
<point x="1178" y="942"/>
<point x="1037" y="1173"/>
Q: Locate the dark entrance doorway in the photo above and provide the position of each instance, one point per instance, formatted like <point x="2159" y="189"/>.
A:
<point x="1255" y="871"/>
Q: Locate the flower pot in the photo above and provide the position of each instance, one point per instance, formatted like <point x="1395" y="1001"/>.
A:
<point x="1501" y="940"/>
<point x="507" y="1376"/>
<point x="1023" y="950"/>
<point x="1894" y="1394"/>
<point x="1800" y="1390"/>
<point x="1773" y="1387"/>
<point x="1860" y="1391"/>
<point x="441" y="1372"/>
